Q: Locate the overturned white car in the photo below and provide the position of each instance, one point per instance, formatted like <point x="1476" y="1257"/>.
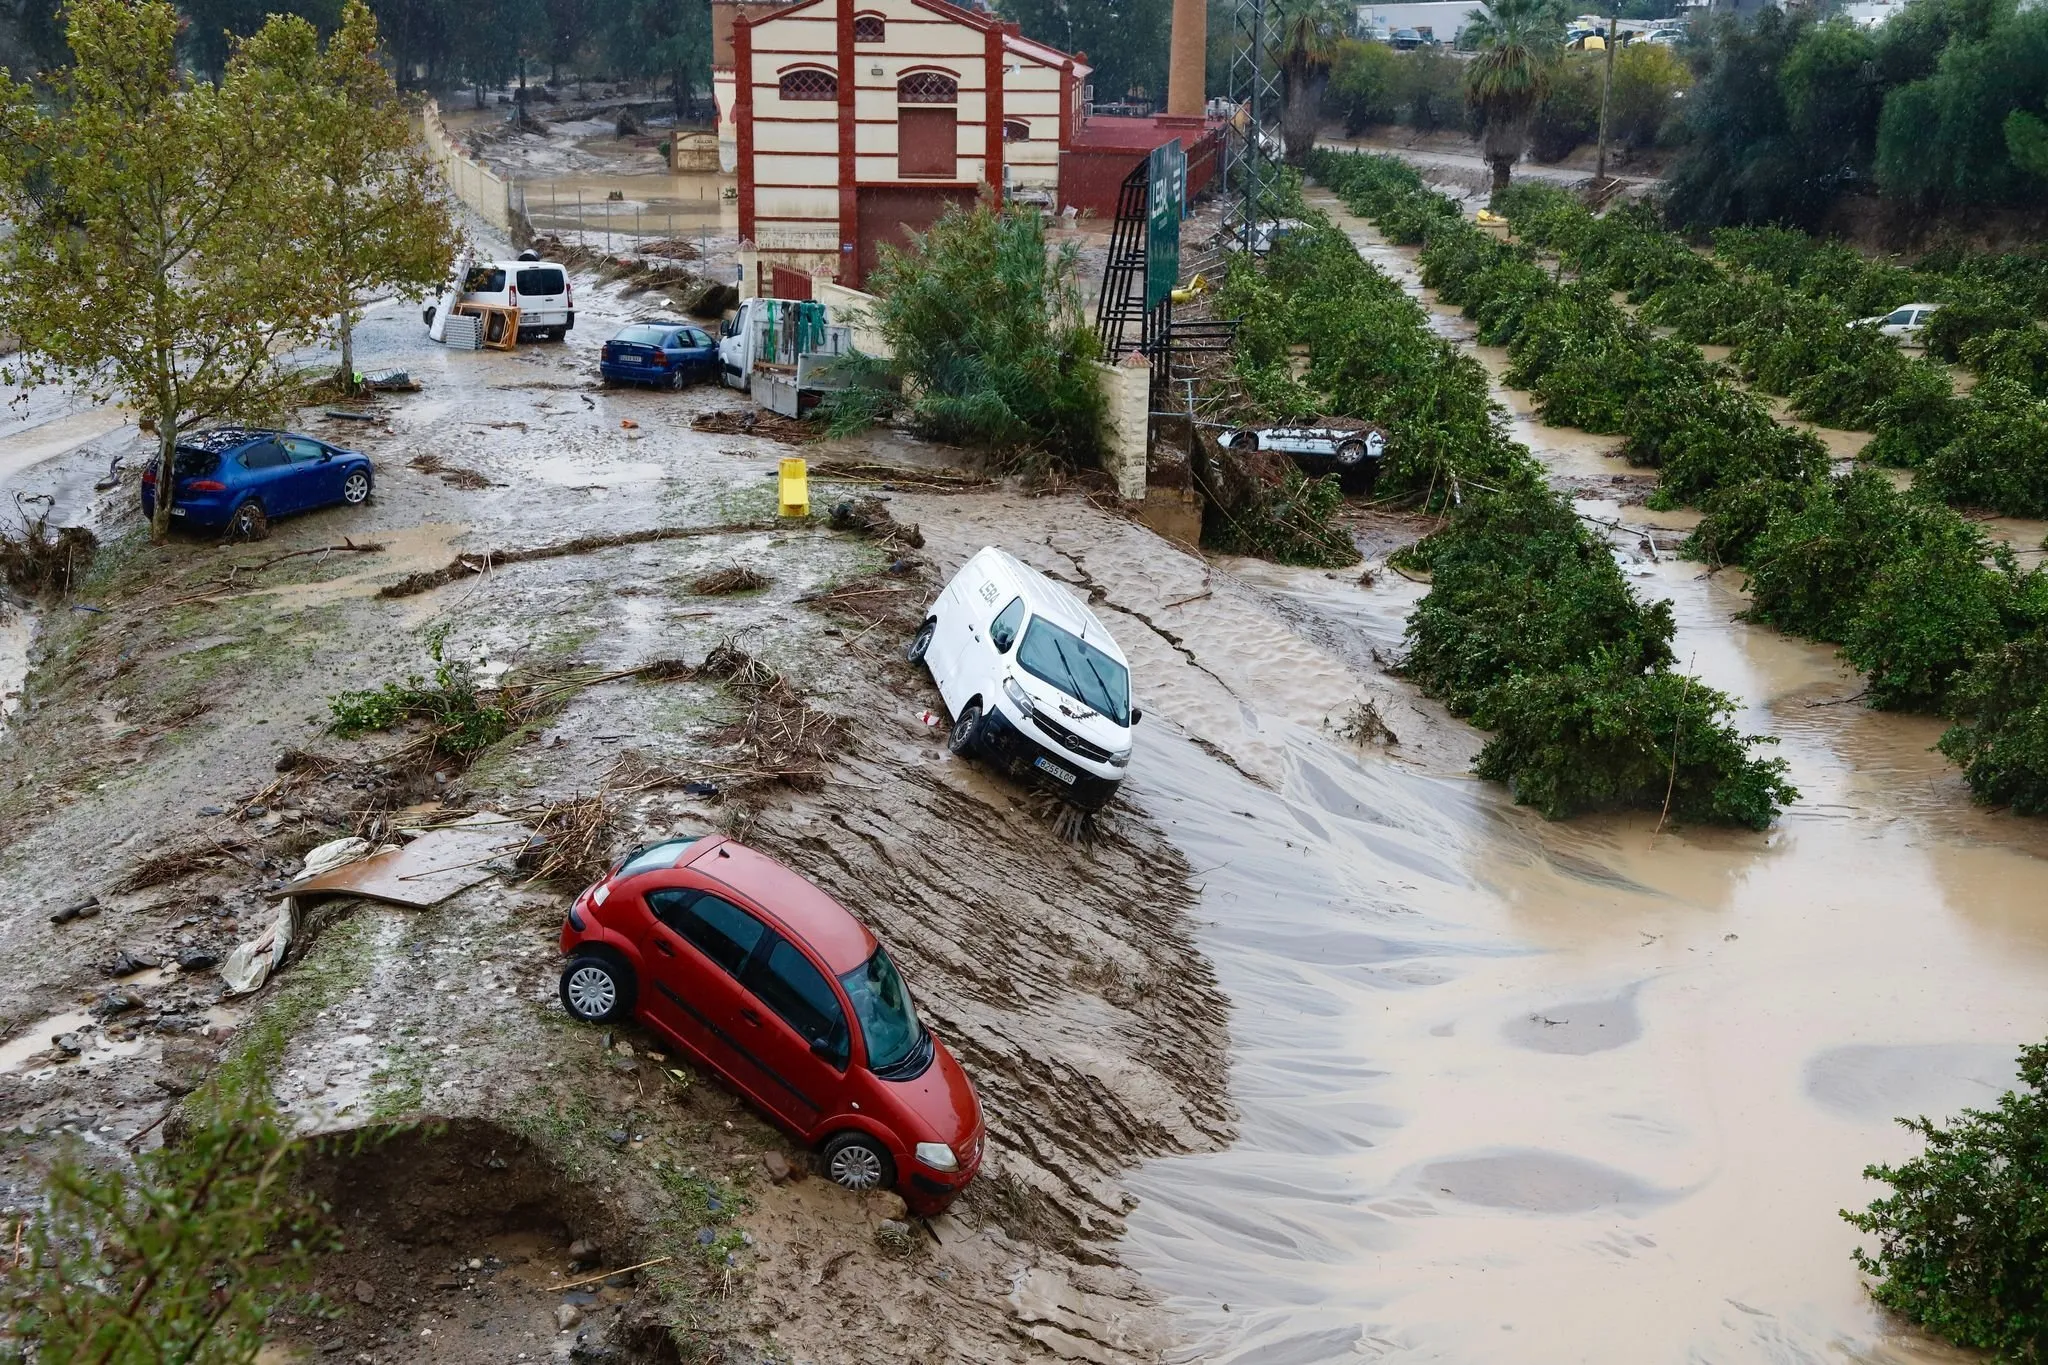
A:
<point x="1350" y="450"/>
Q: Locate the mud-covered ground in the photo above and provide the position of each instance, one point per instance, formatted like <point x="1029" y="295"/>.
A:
<point x="171" y="762"/>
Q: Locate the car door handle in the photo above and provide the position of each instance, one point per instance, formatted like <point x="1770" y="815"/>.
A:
<point x="661" y="946"/>
<point x="750" y="1016"/>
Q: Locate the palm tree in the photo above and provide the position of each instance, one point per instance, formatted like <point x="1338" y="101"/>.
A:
<point x="1518" y="42"/>
<point x="1305" y="34"/>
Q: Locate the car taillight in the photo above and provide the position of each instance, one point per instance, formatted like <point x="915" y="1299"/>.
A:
<point x="569" y="293"/>
<point x="661" y="360"/>
<point x="149" y="477"/>
<point x="512" y="294"/>
<point x="206" y="486"/>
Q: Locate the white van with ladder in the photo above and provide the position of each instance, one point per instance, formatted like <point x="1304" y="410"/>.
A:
<point x="1034" y="683"/>
<point x="539" y="289"/>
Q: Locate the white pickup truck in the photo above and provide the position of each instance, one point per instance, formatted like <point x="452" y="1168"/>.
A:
<point x="782" y="352"/>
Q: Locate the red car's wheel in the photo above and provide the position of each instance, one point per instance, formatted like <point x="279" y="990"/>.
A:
<point x="857" y="1162"/>
<point x="596" y="989"/>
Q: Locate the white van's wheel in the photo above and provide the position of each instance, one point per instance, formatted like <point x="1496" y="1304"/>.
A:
<point x="921" y="642"/>
<point x="965" y="740"/>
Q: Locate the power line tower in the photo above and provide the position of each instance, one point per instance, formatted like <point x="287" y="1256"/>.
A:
<point x="1254" y="98"/>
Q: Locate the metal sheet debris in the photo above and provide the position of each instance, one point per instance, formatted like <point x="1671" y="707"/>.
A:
<point x="428" y="870"/>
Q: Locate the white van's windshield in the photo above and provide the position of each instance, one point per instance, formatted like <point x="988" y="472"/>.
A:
<point x="1077" y="668"/>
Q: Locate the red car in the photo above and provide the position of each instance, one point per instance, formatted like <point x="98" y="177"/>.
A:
<point x="773" y="985"/>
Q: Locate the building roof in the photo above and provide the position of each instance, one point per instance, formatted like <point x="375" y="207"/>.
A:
<point x="1103" y="133"/>
<point x="1043" y="53"/>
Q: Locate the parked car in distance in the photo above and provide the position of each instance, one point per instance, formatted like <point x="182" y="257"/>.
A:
<point x="1353" y="454"/>
<point x="1034" y="683"/>
<point x="1404" y="40"/>
<point x="671" y="354"/>
<point x="1666" y="37"/>
<point x="539" y="289"/>
<point x="240" y="479"/>
<point x="769" y="983"/>
<point x="1903" y="323"/>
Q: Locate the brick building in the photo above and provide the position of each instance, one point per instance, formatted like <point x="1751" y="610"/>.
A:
<point x="851" y="121"/>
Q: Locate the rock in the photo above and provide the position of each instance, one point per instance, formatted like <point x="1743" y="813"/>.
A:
<point x="583" y="1249"/>
<point x="623" y="1048"/>
<point x="887" y="1204"/>
<point x="197" y="960"/>
<point x="448" y="1282"/>
<point x="255" y="812"/>
<point x="125" y="963"/>
<point x="567" y="1315"/>
<point x="69" y="1042"/>
<point x="213" y="810"/>
<point x="475" y="1264"/>
<point x="116" y="1002"/>
<point x="618" y="1137"/>
<point x="778" y="1167"/>
<point x="623" y="1280"/>
<point x="625" y="1066"/>
<point x="365" y="1292"/>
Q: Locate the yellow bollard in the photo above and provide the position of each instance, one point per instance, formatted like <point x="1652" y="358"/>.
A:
<point x="796" y="489"/>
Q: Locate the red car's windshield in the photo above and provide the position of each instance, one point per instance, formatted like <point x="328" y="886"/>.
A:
<point x="882" y="1005"/>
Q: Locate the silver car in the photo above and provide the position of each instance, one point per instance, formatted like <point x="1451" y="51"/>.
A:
<point x="1352" y="453"/>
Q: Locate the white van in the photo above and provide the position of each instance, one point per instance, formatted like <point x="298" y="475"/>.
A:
<point x="1034" y="683"/>
<point x="539" y="289"/>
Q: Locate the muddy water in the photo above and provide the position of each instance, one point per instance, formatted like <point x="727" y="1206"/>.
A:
<point x="1520" y="1091"/>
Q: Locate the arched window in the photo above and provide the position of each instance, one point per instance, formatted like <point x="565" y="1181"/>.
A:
<point x="869" y="28"/>
<point x="928" y="87"/>
<point x="809" y="83"/>
<point x="1016" y="130"/>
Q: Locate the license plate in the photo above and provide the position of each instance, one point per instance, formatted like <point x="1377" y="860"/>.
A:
<point x="631" y="360"/>
<point x="1053" y="770"/>
<point x="177" y="511"/>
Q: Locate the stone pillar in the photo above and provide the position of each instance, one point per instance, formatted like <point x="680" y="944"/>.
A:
<point x="1185" y="91"/>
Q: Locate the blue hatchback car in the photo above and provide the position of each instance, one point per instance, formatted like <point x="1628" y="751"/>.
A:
<point x="671" y="354"/>
<point x="240" y="479"/>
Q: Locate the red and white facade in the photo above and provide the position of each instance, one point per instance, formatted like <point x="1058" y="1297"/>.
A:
<point x="854" y="120"/>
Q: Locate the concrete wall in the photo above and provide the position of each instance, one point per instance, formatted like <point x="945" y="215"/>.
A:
<point x="472" y="184"/>
<point x="1129" y="388"/>
<point x="851" y="307"/>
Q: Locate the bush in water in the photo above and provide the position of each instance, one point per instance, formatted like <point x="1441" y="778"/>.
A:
<point x="1962" y="1240"/>
<point x="1999" y="455"/>
<point x="2001" y="738"/>
<point x="1590" y="738"/>
<point x="2017" y="354"/>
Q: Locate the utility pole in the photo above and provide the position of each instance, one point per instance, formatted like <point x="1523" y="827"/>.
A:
<point x="1606" y="85"/>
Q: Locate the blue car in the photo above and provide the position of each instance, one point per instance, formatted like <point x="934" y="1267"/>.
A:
<point x="240" y="479"/>
<point x="670" y="354"/>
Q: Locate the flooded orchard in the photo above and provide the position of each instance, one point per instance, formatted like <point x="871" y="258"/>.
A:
<point x="1589" y="1091"/>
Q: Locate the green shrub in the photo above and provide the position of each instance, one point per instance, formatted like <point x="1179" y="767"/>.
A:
<point x="2018" y="355"/>
<point x="1595" y="738"/>
<point x="1916" y="419"/>
<point x="989" y="328"/>
<point x="2001" y="738"/>
<point x="1707" y="313"/>
<point x="1644" y="99"/>
<point x="1809" y="569"/>
<point x="1926" y="614"/>
<point x="1368" y="83"/>
<point x="1962" y="1239"/>
<point x="1957" y="323"/>
<point x="1999" y="455"/>
<point x="1736" y="514"/>
<point x="1519" y="586"/>
<point x="1703" y="436"/>
<point x="451" y="709"/>
<point x="1568" y="115"/>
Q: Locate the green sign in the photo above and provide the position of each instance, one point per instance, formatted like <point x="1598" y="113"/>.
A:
<point x="1166" y="175"/>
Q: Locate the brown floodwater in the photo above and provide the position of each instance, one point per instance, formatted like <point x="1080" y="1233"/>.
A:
<point x="1515" y="1090"/>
